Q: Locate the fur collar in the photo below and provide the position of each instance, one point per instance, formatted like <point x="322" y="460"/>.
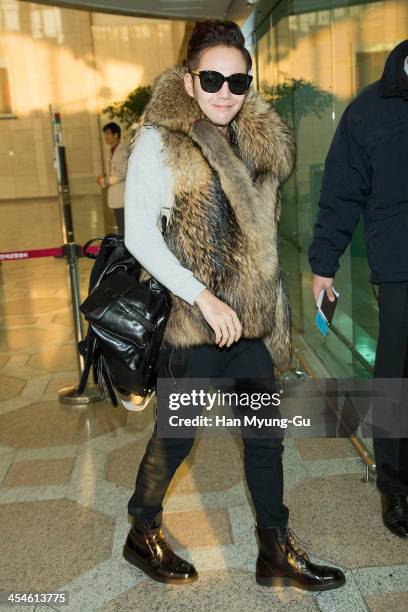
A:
<point x="262" y="140"/>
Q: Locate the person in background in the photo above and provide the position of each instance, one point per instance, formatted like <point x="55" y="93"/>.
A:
<point x="114" y="180"/>
<point x="366" y="174"/>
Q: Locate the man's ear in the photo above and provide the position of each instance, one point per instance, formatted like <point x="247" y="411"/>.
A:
<point x="188" y="84"/>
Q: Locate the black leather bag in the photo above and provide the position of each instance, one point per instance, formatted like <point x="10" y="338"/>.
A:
<point x="127" y="319"/>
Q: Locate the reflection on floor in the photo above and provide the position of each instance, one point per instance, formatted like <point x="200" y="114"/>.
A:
<point x="66" y="475"/>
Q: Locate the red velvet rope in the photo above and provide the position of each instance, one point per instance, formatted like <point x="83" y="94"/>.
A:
<point x="33" y="253"/>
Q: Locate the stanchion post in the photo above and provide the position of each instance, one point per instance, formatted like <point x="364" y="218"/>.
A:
<point x="71" y="253"/>
<point x="64" y="197"/>
<point x="70" y="395"/>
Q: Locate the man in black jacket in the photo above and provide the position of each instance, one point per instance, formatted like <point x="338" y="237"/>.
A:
<point x="366" y="172"/>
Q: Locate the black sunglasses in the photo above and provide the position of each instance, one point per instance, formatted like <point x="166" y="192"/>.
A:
<point x="212" y="81"/>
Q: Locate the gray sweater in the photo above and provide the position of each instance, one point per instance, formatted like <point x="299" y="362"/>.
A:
<point x="148" y="193"/>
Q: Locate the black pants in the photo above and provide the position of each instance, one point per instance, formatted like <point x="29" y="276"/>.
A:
<point x="262" y="456"/>
<point x="391" y="454"/>
<point x="119" y="214"/>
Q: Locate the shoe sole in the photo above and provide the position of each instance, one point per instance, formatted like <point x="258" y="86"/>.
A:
<point x="145" y="567"/>
<point x="272" y="581"/>
<point x="403" y="536"/>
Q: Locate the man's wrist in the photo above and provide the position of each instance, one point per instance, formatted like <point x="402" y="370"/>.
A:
<point x="200" y="296"/>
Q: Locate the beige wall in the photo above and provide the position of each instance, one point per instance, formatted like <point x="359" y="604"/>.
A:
<point x="45" y="49"/>
<point x="79" y="62"/>
<point x="130" y="52"/>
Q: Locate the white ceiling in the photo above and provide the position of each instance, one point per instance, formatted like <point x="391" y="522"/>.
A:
<point x="237" y="10"/>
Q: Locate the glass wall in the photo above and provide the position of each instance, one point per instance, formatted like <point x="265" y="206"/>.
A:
<point x="313" y="58"/>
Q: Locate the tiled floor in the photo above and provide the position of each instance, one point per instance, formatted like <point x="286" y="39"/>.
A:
<point x="66" y="475"/>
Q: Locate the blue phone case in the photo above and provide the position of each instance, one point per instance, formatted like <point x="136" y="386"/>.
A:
<point x="321" y="324"/>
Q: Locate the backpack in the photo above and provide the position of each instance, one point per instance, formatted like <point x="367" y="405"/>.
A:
<point x="127" y="318"/>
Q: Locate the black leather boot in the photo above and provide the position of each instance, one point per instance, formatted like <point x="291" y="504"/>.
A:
<point x="281" y="562"/>
<point x="395" y="514"/>
<point x="147" y="549"/>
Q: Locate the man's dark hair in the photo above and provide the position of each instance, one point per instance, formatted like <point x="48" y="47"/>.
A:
<point x="113" y="127"/>
<point x="211" y="34"/>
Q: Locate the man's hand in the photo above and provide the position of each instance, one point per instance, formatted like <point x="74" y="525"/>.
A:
<point x="101" y="181"/>
<point x="321" y="282"/>
<point x="220" y="317"/>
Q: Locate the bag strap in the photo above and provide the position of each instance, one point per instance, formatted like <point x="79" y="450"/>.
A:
<point x="104" y="379"/>
<point x="164" y="224"/>
<point x="110" y="240"/>
<point x="101" y="374"/>
<point x="87" y="349"/>
<point x="87" y="245"/>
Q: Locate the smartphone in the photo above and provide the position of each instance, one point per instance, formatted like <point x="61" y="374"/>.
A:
<point x="325" y="306"/>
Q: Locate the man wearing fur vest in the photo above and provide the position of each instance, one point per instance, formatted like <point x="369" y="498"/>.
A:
<point x="210" y="155"/>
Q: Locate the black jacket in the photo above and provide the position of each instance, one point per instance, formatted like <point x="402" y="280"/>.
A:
<point x="366" y="172"/>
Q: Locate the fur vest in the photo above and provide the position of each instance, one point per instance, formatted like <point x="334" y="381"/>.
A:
<point x="226" y="206"/>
